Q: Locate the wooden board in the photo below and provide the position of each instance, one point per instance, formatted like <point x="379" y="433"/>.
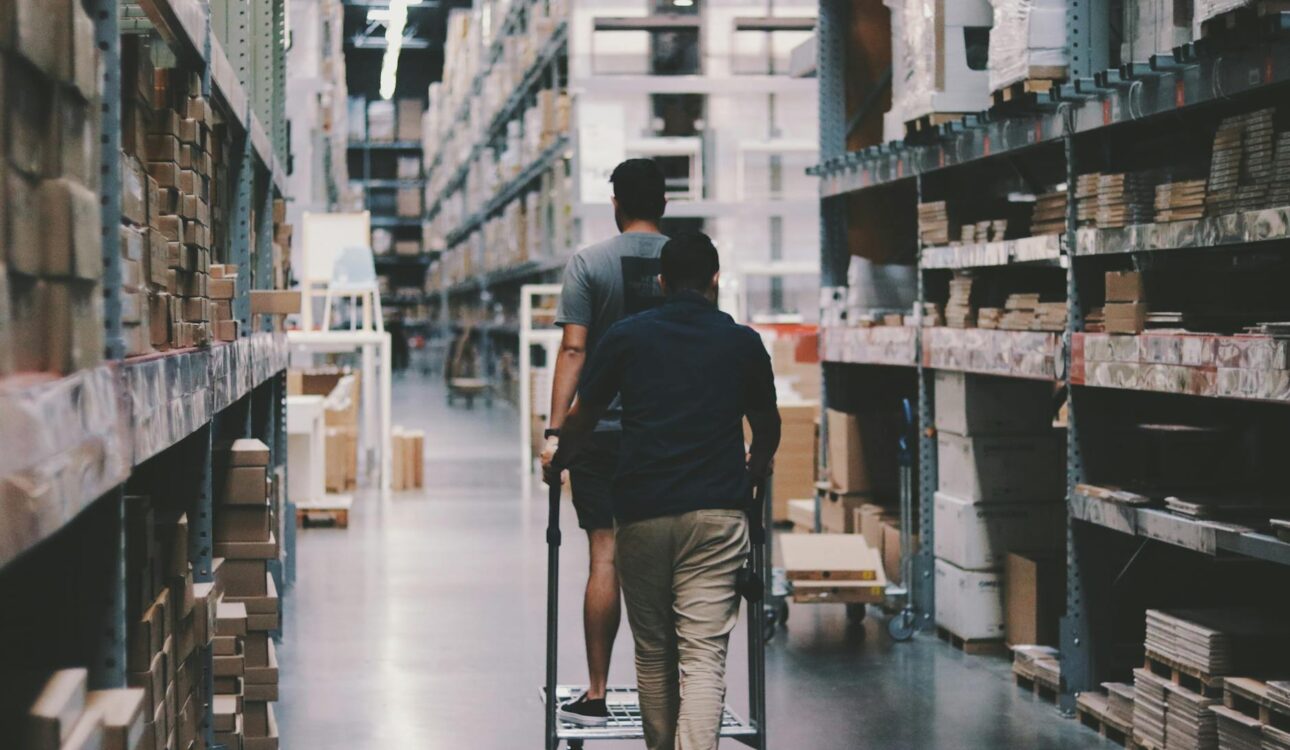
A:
<point x="840" y="592"/>
<point x="829" y="557"/>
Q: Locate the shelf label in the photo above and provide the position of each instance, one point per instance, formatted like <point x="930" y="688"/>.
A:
<point x="985" y="145"/>
<point x="1106" y="111"/>
<point x="1180" y="92"/>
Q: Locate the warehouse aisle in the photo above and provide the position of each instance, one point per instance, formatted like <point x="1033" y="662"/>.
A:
<point x="422" y="626"/>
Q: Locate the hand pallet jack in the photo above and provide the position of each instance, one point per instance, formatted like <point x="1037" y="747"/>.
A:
<point x="624" y="707"/>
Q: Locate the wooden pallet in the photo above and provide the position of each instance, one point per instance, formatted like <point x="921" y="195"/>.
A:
<point x="921" y="127"/>
<point x="1039" y="688"/>
<point x="1250" y="697"/>
<point x="1180" y="674"/>
<point x="332" y="510"/>
<point x="972" y="645"/>
<point x="1023" y="93"/>
<point x="1091" y="709"/>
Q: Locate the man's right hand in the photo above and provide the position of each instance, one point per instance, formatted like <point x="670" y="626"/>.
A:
<point x="550" y="474"/>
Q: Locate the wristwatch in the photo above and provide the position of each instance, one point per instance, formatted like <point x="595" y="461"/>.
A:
<point x="551" y="432"/>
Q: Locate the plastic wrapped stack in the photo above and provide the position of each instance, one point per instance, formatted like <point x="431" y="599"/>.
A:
<point x="935" y="60"/>
<point x="1154" y="27"/>
<point x="1028" y="40"/>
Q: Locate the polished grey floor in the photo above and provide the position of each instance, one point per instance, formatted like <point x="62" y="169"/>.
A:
<point x="422" y="626"/>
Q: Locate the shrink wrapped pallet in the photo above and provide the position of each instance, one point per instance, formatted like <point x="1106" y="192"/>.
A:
<point x="1028" y="41"/>
<point x="1208" y="9"/>
<point x="936" y="60"/>
<point x="1154" y="27"/>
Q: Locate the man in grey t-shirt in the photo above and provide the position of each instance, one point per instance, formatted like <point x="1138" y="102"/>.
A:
<point x="604" y="283"/>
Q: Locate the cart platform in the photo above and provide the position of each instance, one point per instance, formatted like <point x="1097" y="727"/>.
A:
<point x="625" y="717"/>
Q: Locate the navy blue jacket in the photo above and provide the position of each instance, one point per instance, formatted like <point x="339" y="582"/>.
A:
<point x="687" y="374"/>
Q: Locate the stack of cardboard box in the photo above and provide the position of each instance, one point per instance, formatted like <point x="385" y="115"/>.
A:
<point x="67" y="716"/>
<point x="282" y="233"/>
<point x="864" y="482"/>
<point x="797" y="458"/>
<point x="169" y="624"/>
<point x="244" y="537"/>
<point x="51" y="315"/>
<point x="223" y="287"/>
<point x="408" y="464"/>
<point x="1000" y="490"/>
<point x="177" y="150"/>
<point x="1126" y="302"/>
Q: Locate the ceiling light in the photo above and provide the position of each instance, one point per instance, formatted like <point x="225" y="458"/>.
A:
<point x="394" y="45"/>
<point x="378" y="15"/>
<point x="683" y="3"/>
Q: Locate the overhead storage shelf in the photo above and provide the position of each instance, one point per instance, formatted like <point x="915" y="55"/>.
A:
<point x="1164" y="88"/>
<point x="69" y="440"/>
<point x="1206" y="537"/>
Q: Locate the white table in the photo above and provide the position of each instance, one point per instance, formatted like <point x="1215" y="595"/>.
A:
<point x="372" y="345"/>
<point x="306" y="449"/>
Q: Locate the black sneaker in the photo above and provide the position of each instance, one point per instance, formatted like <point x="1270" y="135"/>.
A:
<point x="585" y="711"/>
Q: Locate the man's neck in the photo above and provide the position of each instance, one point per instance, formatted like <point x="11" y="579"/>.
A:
<point x="641" y="225"/>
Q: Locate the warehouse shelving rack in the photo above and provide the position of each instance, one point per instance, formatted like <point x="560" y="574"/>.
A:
<point x="1098" y="106"/>
<point x="547" y="71"/>
<point x="73" y="442"/>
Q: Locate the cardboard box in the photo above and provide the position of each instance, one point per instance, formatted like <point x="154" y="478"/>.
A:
<point x="1125" y="286"/>
<point x="242" y="523"/>
<point x="230" y="618"/>
<point x="274" y="302"/>
<point x="408" y="203"/>
<point x="871" y="518"/>
<point x="265" y="675"/>
<point x="270" y="741"/>
<point x="24" y="238"/>
<point x="243" y="485"/>
<point x="801" y="513"/>
<point x="838" y="512"/>
<point x="87" y="733"/>
<point x="997" y="468"/>
<point x="862" y="454"/>
<point x="256" y="649"/>
<point x="891" y="549"/>
<point x="54" y="713"/>
<point x="123" y="714"/>
<point x="151" y="681"/>
<point x="1125" y="317"/>
<point x="968" y="404"/>
<point x="1034" y="598"/>
<point x="978" y="536"/>
<point x="796" y="461"/>
<point x="969" y="603"/>
<point x="74" y="332"/>
<point x="409" y="119"/>
<point x="242" y="579"/>
<point x="262" y="550"/>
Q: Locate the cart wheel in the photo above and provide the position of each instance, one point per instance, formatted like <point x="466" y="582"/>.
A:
<point x="856" y="613"/>
<point x="901" y="626"/>
<point x="575" y="744"/>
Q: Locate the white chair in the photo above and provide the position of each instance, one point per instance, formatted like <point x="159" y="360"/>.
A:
<point x="353" y="277"/>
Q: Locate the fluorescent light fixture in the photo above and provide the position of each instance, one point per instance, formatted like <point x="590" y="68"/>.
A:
<point x="378" y="15"/>
<point x="394" y="25"/>
<point x="683" y="3"/>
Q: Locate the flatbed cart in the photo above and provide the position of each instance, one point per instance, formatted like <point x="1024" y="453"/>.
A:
<point x="623" y="703"/>
<point x="893" y="599"/>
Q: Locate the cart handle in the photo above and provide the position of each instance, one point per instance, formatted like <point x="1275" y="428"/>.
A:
<point x="554" y="494"/>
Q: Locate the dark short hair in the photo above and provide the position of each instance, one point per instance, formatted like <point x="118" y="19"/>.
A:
<point x="638" y="186"/>
<point x="689" y="261"/>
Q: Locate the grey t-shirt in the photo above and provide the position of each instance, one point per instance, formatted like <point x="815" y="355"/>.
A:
<point x="605" y="283"/>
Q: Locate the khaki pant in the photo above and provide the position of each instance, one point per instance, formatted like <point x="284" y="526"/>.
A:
<point x="678" y="578"/>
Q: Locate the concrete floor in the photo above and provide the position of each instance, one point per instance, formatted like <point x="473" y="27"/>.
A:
<point x="422" y="626"/>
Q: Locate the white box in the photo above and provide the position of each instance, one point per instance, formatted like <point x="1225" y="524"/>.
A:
<point x="979" y="536"/>
<point x="969" y="603"/>
<point x="968" y="404"/>
<point x="999" y="468"/>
